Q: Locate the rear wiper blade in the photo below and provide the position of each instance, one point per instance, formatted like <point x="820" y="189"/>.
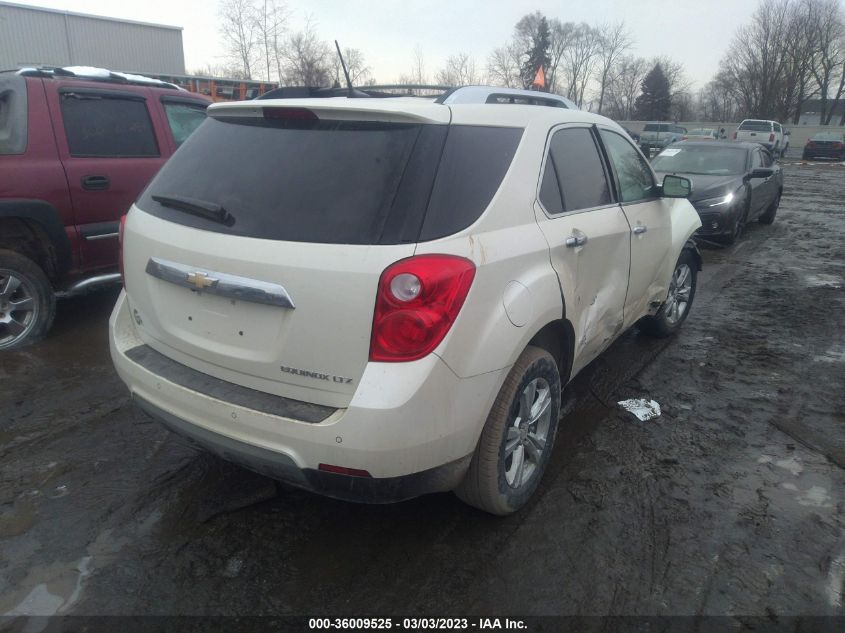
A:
<point x="208" y="210"/>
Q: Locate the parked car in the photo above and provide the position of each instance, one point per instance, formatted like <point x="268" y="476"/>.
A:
<point x="77" y="146"/>
<point x="405" y="325"/>
<point x="634" y="136"/>
<point x="701" y="134"/>
<point x="770" y="134"/>
<point x="656" y="136"/>
<point x="825" y="145"/>
<point x="733" y="183"/>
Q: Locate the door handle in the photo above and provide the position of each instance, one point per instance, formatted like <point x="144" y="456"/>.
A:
<point x="639" y="229"/>
<point x="95" y="183"/>
<point x="576" y="240"/>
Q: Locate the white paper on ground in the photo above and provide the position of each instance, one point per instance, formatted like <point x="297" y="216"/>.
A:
<point x="642" y="408"/>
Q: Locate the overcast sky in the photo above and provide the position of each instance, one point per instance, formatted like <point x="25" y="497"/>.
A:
<point x="694" y="32"/>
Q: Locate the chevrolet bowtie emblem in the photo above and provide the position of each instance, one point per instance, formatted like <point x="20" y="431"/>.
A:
<point x="200" y="280"/>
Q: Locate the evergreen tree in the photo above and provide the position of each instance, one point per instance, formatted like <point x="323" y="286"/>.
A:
<point x="538" y="55"/>
<point x="655" y="101"/>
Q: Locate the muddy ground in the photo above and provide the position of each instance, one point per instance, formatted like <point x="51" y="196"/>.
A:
<point x="730" y="503"/>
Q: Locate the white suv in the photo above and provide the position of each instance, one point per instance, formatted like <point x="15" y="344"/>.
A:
<point x="375" y="299"/>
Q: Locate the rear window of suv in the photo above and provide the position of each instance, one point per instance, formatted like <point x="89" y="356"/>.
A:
<point x="656" y="127"/>
<point x="337" y="182"/>
<point x="12" y="115"/>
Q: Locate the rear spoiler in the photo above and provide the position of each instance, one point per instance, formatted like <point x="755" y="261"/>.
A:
<point x="377" y="110"/>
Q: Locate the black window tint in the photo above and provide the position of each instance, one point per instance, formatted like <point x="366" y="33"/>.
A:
<point x="580" y="173"/>
<point x="766" y="157"/>
<point x="549" y="189"/>
<point x="635" y="179"/>
<point x="99" y="125"/>
<point x="12" y="115"/>
<point x="756" y="158"/>
<point x="184" y="119"/>
<point x="475" y="160"/>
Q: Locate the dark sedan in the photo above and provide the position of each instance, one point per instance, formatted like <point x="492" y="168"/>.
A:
<point x="825" y="145"/>
<point x="733" y="183"/>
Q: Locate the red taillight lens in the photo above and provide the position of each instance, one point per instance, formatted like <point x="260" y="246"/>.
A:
<point x="120" y="248"/>
<point x="343" y="470"/>
<point x="734" y="135"/>
<point x="685" y="138"/>
<point x="838" y="145"/>
<point x="418" y="300"/>
<point x="772" y="137"/>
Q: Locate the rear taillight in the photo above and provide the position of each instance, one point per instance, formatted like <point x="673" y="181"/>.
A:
<point x="838" y="145"/>
<point x="772" y="137"/>
<point x="685" y="138"/>
<point x="120" y="248"/>
<point x="734" y="135"/>
<point x="418" y="300"/>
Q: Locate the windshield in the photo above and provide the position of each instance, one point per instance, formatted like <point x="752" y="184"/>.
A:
<point x="704" y="161"/>
<point x="756" y="126"/>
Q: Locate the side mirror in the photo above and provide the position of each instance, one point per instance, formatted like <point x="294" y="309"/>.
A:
<point x="676" y="187"/>
<point x="761" y="172"/>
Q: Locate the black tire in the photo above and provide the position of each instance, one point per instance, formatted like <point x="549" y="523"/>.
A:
<point x="665" y="323"/>
<point x="769" y="215"/>
<point x="27" y="302"/>
<point x="486" y="485"/>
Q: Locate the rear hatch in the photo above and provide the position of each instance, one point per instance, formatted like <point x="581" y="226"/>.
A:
<point x="254" y="256"/>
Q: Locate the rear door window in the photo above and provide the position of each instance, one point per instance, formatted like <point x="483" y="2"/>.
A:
<point x="107" y="124"/>
<point x="183" y="118"/>
<point x="337" y="182"/>
<point x="574" y="161"/>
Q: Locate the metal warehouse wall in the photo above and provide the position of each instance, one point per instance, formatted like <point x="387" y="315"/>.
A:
<point x="31" y="36"/>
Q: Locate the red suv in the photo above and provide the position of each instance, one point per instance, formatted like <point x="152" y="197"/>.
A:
<point x="77" y="146"/>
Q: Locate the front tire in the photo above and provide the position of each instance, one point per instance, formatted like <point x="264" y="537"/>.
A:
<point x="675" y="309"/>
<point x="740" y="220"/>
<point x="769" y="216"/>
<point x="27" y="302"/>
<point x="517" y="439"/>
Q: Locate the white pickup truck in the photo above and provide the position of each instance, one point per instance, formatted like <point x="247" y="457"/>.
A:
<point x="770" y="134"/>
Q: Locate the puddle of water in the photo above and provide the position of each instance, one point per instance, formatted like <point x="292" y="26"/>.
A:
<point x="60" y="589"/>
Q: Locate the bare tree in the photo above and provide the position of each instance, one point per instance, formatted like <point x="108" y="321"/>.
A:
<point x="306" y="59"/>
<point x="359" y="72"/>
<point x="827" y="28"/>
<point x="614" y="41"/>
<point x="503" y="66"/>
<point x="271" y="17"/>
<point x="624" y="86"/>
<point x="238" y="27"/>
<point x="459" y="70"/>
<point x="578" y="60"/>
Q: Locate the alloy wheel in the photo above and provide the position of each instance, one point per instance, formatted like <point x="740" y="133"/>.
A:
<point x="527" y="437"/>
<point x="680" y="291"/>
<point x="18" y="308"/>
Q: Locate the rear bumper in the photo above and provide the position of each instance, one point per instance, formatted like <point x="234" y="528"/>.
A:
<point x="282" y="468"/>
<point x="412" y="426"/>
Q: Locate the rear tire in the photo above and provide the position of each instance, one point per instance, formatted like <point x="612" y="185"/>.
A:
<point x="769" y="216"/>
<point x="518" y="437"/>
<point x="27" y="302"/>
<point x="674" y="311"/>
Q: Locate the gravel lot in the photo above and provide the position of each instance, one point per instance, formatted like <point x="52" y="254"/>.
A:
<point x="730" y="503"/>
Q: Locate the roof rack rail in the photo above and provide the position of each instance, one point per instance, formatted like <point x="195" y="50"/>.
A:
<point x="494" y="94"/>
<point x="449" y="94"/>
<point x="90" y="73"/>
